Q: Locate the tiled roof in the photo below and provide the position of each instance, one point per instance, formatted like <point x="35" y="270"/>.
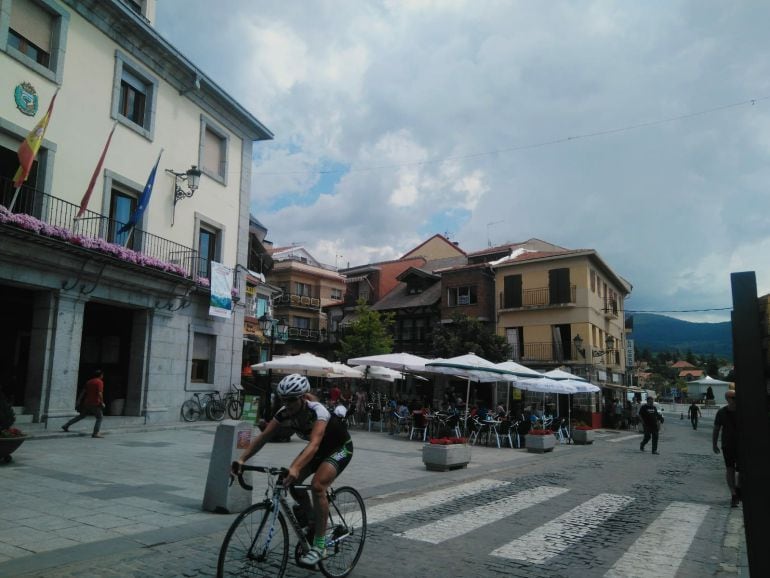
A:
<point x="398" y="298"/>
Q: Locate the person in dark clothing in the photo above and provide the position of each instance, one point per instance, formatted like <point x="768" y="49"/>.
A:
<point x="694" y="413"/>
<point x="726" y="420"/>
<point x="650" y="418"/>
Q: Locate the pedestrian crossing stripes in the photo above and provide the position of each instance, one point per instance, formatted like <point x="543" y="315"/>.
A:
<point x="554" y="537"/>
<point x="389" y="510"/>
<point x="459" y="524"/>
<point x="658" y="551"/>
<point x="663" y="545"/>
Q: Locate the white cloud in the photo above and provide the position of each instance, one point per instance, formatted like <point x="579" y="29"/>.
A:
<point x="436" y="108"/>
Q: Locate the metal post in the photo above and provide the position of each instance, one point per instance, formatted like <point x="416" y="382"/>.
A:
<point x="753" y="429"/>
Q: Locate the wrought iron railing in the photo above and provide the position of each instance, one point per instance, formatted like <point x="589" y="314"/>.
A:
<point x="304" y="334"/>
<point x="298" y="300"/>
<point x="537" y="297"/>
<point x="548" y="351"/>
<point x="60" y="213"/>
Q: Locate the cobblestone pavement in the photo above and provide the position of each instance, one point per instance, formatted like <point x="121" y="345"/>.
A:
<point x="600" y="510"/>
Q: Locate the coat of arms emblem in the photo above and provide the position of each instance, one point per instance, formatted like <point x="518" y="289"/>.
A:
<point x="26" y="98"/>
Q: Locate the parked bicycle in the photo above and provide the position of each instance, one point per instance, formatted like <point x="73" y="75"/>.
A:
<point x="234" y="401"/>
<point x="209" y="404"/>
<point x="257" y="543"/>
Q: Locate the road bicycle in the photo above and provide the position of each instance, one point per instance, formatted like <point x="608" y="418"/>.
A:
<point x="234" y="401"/>
<point x="209" y="404"/>
<point x="257" y="543"/>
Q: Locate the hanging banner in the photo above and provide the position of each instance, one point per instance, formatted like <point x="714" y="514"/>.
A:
<point x="221" y="304"/>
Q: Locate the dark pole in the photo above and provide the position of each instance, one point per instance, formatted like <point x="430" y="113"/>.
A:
<point x="753" y="427"/>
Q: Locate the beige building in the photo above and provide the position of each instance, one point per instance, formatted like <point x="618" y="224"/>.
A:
<point x="563" y="307"/>
<point x="79" y="293"/>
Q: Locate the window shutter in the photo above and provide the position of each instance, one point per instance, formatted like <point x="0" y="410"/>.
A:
<point x="33" y="23"/>
<point x="512" y="291"/>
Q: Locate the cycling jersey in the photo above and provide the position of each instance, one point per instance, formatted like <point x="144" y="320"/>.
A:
<point x="335" y="436"/>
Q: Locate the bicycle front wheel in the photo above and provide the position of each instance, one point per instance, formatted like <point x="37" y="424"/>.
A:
<point x="191" y="411"/>
<point x="345" y="533"/>
<point x="215" y="410"/>
<point x="250" y="548"/>
<point x="235" y="408"/>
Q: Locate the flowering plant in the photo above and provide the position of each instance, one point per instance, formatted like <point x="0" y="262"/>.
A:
<point x="7" y="419"/>
<point x="540" y="432"/>
<point x="447" y="441"/>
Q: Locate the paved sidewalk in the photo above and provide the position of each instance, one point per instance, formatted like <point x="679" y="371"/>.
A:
<point x="69" y="493"/>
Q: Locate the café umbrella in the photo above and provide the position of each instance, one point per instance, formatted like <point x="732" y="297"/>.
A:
<point x="471" y="367"/>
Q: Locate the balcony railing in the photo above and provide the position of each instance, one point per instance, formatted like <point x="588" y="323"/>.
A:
<point x="96" y="227"/>
<point x="547" y="351"/>
<point x="610" y="308"/>
<point x="304" y="334"/>
<point x="539" y="297"/>
<point x="292" y="299"/>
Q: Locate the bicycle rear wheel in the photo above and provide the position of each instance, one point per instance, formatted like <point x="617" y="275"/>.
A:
<point x="215" y="410"/>
<point x="249" y="550"/>
<point x="191" y="411"/>
<point x="235" y="408"/>
<point x="345" y="533"/>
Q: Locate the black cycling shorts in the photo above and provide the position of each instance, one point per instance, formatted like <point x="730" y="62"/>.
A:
<point x="730" y="456"/>
<point x="339" y="458"/>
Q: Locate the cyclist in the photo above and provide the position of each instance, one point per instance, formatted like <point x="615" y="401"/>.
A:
<point x="328" y="452"/>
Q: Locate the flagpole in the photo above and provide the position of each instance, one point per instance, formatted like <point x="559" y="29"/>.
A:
<point x="15" y="196"/>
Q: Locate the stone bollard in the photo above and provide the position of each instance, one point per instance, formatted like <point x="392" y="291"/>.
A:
<point x="231" y="438"/>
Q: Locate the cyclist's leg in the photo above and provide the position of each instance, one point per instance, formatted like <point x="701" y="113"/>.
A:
<point x="302" y="497"/>
<point x="325" y="474"/>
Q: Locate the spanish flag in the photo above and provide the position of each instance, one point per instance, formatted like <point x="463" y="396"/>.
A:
<point x="30" y="146"/>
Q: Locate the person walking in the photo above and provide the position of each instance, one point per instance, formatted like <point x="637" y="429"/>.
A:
<point x="694" y="413"/>
<point x="650" y="417"/>
<point x="726" y="420"/>
<point x="90" y="402"/>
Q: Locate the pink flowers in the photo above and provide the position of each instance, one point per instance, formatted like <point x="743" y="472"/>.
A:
<point x="34" y="225"/>
<point x="540" y="432"/>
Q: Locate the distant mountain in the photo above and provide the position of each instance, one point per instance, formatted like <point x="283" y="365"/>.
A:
<point x="661" y="333"/>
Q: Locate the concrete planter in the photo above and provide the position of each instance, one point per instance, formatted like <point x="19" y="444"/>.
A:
<point x="8" y="446"/>
<point x="440" y="458"/>
<point x="582" y="436"/>
<point x="540" y="444"/>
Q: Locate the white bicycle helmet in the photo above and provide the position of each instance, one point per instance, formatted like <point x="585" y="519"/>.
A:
<point x="293" y="385"/>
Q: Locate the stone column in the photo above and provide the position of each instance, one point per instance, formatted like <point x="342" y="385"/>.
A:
<point x="63" y="358"/>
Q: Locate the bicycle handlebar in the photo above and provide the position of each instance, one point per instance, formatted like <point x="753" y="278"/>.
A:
<point x="273" y="471"/>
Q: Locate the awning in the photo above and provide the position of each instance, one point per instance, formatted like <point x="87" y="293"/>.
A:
<point x="356" y="279"/>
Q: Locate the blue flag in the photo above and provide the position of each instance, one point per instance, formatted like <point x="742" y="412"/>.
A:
<point x="143" y="200"/>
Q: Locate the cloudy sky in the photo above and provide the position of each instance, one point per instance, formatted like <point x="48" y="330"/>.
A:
<point x="638" y="129"/>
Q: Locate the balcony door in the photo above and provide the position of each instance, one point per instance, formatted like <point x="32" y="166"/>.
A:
<point x="122" y="207"/>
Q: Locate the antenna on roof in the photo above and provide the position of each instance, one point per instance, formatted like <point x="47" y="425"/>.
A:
<point x="489" y="239"/>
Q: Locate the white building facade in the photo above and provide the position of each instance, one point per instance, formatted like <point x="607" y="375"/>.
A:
<point x="78" y="293"/>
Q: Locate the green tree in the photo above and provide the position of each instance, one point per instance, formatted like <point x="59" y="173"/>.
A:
<point x="712" y="365"/>
<point x="368" y="334"/>
<point x="466" y="335"/>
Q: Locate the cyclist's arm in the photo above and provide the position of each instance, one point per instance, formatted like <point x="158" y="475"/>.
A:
<point x="259" y="441"/>
<point x="307" y="454"/>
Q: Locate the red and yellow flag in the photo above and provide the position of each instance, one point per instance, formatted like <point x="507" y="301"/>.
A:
<point x="30" y="146"/>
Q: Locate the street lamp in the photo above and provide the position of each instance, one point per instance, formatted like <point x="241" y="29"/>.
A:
<point x="578" y="341"/>
<point x="270" y="327"/>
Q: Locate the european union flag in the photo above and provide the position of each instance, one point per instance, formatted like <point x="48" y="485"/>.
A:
<point x="143" y="200"/>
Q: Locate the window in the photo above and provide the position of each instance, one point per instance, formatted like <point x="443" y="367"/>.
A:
<point x="122" y="206"/>
<point x="212" y="155"/>
<point x="207" y="250"/>
<point x="35" y="35"/>
<point x="512" y="291"/>
<point x="133" y="96"/>
<point x="302" y="322"/>
<point x="515" y="338"/>
<point x="363" y="291"/>
<point x="303" y="289"/>
<point x="593" y="281"/>
<point x="559" y="290"/>
<point x="407" y="326"/>
<point x="263" y="306"/>
<point x="336" y="294"/>
<point x="461" y="296"/>
<point x="203" y="352"/>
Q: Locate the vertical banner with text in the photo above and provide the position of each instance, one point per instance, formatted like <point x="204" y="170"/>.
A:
<point x="221" y="304"/>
